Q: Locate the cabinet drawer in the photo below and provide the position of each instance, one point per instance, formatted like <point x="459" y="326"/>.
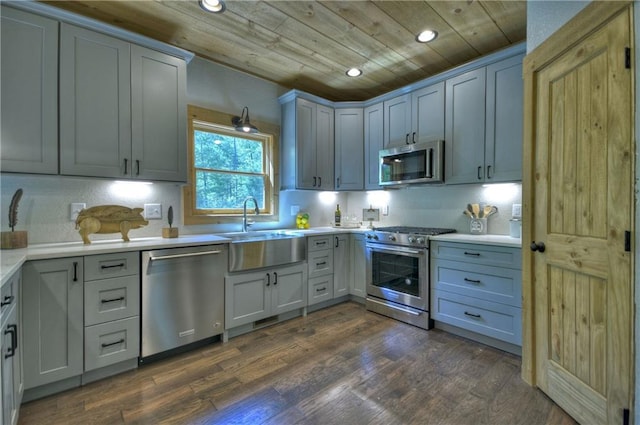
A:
<point x="111" y="265"/>
<point x="495" y="284"/>
<point x="111" y="299"/>
<point x="317" y="243"/>
<point x="499" y="321"/>
<point x="320" y="289"/>
<point x="320" y="263"/>
<point x="9" y="293"/>
<point x="488" y="255"/>
<point x="110" y="343"/>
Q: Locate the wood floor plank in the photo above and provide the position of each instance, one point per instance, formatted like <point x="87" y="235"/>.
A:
<point x="340" y="365"/>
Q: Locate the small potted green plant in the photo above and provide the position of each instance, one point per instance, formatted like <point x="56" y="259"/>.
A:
<point x="170" y="232"/>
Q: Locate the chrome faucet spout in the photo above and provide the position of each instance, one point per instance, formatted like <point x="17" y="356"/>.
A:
<point x="245" y="224"/>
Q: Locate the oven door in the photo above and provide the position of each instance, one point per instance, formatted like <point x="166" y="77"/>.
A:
<point x="398" y="274"/>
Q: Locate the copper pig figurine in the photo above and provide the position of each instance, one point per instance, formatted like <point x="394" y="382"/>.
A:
<point x="109" y="219"/>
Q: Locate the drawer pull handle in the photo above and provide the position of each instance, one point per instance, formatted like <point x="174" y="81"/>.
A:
<point x="475" y="316"/>
<point x="474" y="254"/>
<point x="321" y="289"/>
<point x="112" y="266"/>
<point x="112" y="300"/>
<point x="120" y="341"/>
<point x="321" y="243"/>
<point x="477" y="282"/>
<point x="8" y="299"/>
<point x="324" y="263"/>
<point x="13" y="330"/>
<point x="75" y="271"/>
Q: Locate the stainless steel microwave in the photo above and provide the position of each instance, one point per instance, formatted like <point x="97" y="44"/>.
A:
<point x="419" y="163"/>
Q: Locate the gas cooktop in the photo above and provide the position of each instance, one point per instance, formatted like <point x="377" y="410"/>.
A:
<point x="405" y="235"/>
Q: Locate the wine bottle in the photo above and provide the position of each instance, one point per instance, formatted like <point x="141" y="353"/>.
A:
<point x="338" y="215"/>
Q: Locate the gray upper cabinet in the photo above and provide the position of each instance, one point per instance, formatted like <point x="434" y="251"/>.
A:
<point x="29" y="112"/>
<point x="465" y="127"/>
<point x="95" y="104"/>
<point x="158" y="115"/>
<point x="122" y="109"/>
<point x="307" y="143"/>
<point x="504" y="100"/>
<point x="52" y="299"/>
<point x="349" y="149"/>
<point x="415" y="117"/>
<point x="373" y="143"/>
<point x="484" y="124"/>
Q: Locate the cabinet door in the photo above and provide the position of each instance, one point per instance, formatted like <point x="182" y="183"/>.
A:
<point x="465" y="125"/>
<point x="325" y="161"/>
<point x="29" y="91"/>
<point x="306" y="144"/>
<point x="358" y="266"/>
<point x="95" y="104"/>
<point x="6" y="365"/>
<point x="247" y="298"/>
<point x="503" y="154"/>
<point x="397" y="121"/>
<point x="427" y="114"/>
<point x="373" y="143"/>
<point x="53" y="327"/>
<point x="349" y="149"/>
<point x="158" y="115"/>
<point x="288" y="289"/>
<point x="341" y="266"/>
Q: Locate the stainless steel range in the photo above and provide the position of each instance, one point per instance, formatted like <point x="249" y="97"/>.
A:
<point x="398" y="272"/>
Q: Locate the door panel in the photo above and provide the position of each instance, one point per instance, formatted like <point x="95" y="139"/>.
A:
<point x="583" y="191"/>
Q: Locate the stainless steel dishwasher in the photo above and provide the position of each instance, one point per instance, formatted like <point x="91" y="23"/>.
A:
<point x="182" y="296"/>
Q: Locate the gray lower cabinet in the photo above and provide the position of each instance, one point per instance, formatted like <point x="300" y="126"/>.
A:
<point x="320" y="263"/>
<point x="349" y="149"/>
<point x="357" y="286"/>
<point x="260" y="294"/>
<point x="52" y="299"/>
<point x="341" y="265"/>
<point x="111" y="309"/>
<point x="11" y="351"/>
<point x="114" y="121"/>
<point x="478" y="288"/>
<point x="29" y="92"/>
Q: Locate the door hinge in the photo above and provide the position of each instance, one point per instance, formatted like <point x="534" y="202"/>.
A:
<point x="626" y="417"/>
<point x="627" y="57"/>
<point x="627" y="241"/>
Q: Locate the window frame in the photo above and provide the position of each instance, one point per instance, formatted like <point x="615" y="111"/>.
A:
<point x="204" y="119"/>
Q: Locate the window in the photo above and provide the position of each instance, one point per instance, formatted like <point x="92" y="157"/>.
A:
<point x="225" y="167"/>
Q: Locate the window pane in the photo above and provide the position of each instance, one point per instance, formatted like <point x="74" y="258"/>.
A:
<point x="227" y="191"/>
<point x="222" y="152"/>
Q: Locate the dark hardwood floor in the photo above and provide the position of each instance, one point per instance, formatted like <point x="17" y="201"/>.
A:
<point x="340" y="365"/>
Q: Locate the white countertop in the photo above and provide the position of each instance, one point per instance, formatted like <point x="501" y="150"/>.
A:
<point x="12" y="260"/>
<point x="501" y="240"/>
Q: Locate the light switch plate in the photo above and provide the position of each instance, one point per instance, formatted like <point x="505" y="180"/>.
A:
<point x="152" y="211"/>
<point x="516" y="210"/>
<point x="74" y="210"/>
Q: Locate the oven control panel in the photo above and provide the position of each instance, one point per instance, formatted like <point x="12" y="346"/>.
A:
<point x="403" y="235"/>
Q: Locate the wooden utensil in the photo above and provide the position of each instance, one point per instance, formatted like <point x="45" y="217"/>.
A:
<point x="470" y="209"/>
<point x="486" y="211"/>
<point x="475" y="210"/>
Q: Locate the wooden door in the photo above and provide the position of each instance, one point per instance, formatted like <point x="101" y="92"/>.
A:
<point x="582" y="207"/>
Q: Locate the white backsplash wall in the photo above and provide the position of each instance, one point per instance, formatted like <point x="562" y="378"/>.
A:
<point x="440" y="206"/>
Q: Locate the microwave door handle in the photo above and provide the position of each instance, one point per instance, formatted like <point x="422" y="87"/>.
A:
<point x="430" y="163"/>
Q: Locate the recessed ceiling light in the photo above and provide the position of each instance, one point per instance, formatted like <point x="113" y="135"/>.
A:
<point x="214" y="6"/>
<point x="426" y="36"/>
<point x="354" y="72"/>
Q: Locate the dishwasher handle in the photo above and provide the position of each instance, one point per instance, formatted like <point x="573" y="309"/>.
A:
<point x="188" y="254"/>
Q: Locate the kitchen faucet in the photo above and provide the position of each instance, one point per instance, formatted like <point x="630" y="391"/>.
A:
<point x="245" y="225"/>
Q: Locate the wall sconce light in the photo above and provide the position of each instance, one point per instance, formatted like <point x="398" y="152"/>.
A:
<point x="242" y="123"/>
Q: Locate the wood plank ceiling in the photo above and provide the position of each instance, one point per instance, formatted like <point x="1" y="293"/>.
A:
<point x="308" y="45"/>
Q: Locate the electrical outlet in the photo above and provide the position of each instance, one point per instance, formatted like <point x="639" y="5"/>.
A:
<point x="152" y="211"/>
<point x="516" y="210"/>
<point x="74" y="210"/>
<point x="295" y="209"/>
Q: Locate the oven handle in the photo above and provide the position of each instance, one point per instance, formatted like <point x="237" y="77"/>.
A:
<point x="377" y="248"/>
